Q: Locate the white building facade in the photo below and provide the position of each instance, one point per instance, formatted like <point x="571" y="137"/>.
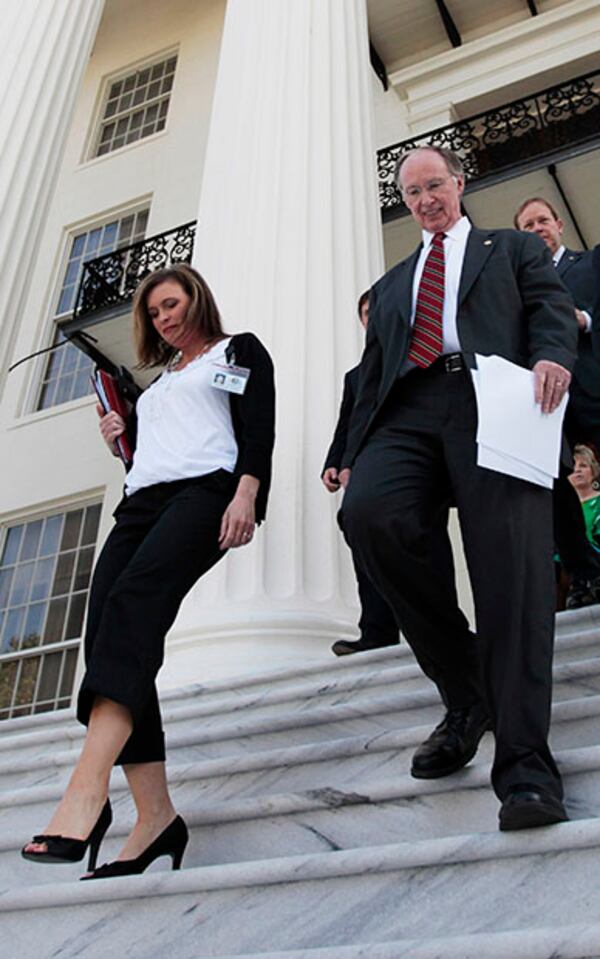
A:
<point x="252" y="136"/>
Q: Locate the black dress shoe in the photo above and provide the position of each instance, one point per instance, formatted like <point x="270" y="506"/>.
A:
<point x="582" y="592"/>
<point x="452" y="744"/>
<point x="528" y="806"/>
<point x="344" y="647"/>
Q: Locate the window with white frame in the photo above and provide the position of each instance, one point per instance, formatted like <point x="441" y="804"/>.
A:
<point x="45" y="568"/>
<point x="66" y="375"/>
<point x="135" y="106"/>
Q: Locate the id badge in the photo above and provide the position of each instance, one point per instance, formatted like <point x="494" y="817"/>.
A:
<point x="232" y="379"/>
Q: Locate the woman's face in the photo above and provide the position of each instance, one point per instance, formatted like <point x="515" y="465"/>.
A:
<point x="582" y="475"/>
<point x="167" y="306"/>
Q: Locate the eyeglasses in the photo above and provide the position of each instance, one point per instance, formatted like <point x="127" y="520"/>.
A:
<point x="433" y="187"/>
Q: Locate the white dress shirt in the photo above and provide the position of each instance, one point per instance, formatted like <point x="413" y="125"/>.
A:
<point x="455" y="243"/>
<point x="556" y="258"/>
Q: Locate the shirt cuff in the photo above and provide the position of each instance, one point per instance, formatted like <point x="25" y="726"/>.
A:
<point x="588" y="321"/>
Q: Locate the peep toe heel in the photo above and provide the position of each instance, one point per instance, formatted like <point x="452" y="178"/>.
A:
<point x="66" y="849"/>
<point x="171" y="842"/>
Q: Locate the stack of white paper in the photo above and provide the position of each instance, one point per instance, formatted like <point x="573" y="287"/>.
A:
<point x="513" y="435"/>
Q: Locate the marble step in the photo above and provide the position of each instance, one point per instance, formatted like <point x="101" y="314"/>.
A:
<point x="308" y="765"/>
<point x="295" y="714"/>
<point x="29" y="761"/>
<point x="578" y="637"/>
<point x="365" y="811"/>
<point x="449" y="887"/>
<point x="563" y="942"/>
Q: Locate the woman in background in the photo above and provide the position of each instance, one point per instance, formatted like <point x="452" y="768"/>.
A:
<point x="198" y="485"/>
<point x="586" y="480"/>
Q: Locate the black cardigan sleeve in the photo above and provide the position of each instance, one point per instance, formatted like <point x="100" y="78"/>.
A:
<point x="253" y="414"/>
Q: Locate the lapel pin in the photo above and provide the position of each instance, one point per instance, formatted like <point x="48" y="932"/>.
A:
<point x="487" y="242"/>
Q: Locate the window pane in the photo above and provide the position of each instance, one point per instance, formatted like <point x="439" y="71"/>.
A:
<point x="8" y="675"/>
<point x="33" y="532"/>
<point x="21" y="584"/>
<point x="115" y="89"/>
<point x="50" y="677"/>
<point x="34" y="621"/>
<point x="11" y="545"/>
<point x="51" y="535"/>
<point x="6" y="576"/>
<point x="157" y="71"/>
<point x="78" y="245"/>
<point x="42" y="578"/>
<point x="11" y="636"/>
<point x="75" y="620"/>
<point x="53" y="633"/>
<point x="93" y="242"/>
<point x="27" y="681"/>
<point x="66" y="686"/>
<point x="64" y="573"/>
<point x="90" y="525"/>
<point x="83" y="569"/>
<point x="71" y="529"/>
<point x="129" y="83"/>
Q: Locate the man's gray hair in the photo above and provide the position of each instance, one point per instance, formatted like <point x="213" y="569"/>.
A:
<point x="451" y="159"/>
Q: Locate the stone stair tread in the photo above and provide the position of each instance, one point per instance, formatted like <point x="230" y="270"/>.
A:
<point x="444" y="851"/>
<point x="573" y="941"/>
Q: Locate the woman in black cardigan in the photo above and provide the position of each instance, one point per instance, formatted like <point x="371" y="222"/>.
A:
<point x="203" y="435"/>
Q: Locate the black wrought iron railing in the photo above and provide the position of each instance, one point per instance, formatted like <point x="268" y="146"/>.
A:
<point x="535" y="128"/>
<point x="110" y="281"/>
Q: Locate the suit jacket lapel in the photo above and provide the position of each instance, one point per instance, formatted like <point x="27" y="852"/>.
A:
<point x="479" y="246"/>
<point x="566" y="262"/>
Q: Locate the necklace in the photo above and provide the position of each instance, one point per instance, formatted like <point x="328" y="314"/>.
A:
<point x="177" y="357"/>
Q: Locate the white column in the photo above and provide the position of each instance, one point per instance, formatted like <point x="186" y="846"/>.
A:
<point x="44" y="49"/>
<point x="289" y="235"/>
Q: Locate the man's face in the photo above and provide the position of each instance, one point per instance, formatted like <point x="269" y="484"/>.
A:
<point x="364" y="315"/>
<point x="538" y="218"/>
<point x="431" y="192"/>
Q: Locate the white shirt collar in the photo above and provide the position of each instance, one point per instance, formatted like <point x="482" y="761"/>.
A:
<point x="457" y="232"/>
<point x="556" y="257"/>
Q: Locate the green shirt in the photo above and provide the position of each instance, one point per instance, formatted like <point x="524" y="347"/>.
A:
<point x="591" y="515"/>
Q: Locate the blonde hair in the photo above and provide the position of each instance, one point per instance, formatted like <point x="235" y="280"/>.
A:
<point x="589" y="457"/>
<point x="202" y="315"/>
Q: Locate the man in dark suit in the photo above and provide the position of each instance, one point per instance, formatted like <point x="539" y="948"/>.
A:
<point x="412" y="449"/>
<point x="582" y="421"/>
<point x="377" y="624"/>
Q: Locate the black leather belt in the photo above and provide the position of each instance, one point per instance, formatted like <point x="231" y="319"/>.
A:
<point x="449" y="363"/>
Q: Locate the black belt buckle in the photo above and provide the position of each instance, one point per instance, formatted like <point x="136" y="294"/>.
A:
<point x="453" y="363"/>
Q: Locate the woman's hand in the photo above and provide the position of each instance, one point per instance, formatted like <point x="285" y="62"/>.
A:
<point x="237" y="525"/>
<point x="111" y="426"/>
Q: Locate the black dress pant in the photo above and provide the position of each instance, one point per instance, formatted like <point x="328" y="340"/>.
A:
<point x="420" y="455"/>
<point x="164" y="539"/>
<point x="377" y="623"/>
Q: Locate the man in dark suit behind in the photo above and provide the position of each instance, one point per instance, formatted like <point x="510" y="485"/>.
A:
<point x="582" y="420"/>
<point x="377" y="624"/>
<point x="412" y="448"/>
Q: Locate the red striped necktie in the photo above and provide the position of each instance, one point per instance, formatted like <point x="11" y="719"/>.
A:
<point x="427" y="334"/>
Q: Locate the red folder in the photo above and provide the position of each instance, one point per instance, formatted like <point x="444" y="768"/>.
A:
<point x="112" y="400"/>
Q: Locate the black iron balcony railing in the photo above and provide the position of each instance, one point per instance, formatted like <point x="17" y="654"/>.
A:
<point x="110" y="281"/>
<point x="523" y="133"/>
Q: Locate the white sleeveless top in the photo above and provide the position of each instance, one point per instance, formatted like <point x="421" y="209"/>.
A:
<point x="184" y="425"/>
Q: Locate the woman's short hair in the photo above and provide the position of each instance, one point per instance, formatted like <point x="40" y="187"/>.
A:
<point x="203" y="314"/>
<point x="590" y="458"/>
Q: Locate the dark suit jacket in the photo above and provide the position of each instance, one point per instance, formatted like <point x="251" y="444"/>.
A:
<point x="511" y="303"/>
<point x="576" y="270"/>
<point x="335" y="453"/>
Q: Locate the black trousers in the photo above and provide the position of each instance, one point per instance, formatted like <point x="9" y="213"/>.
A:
<point x="422" y="453"/>
<point x="164" y="539"/>
<point x="377" y="622"/>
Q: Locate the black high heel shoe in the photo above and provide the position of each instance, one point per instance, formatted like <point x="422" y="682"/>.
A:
<point x="171" y="842"/>
<point x="64" y="849"/>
